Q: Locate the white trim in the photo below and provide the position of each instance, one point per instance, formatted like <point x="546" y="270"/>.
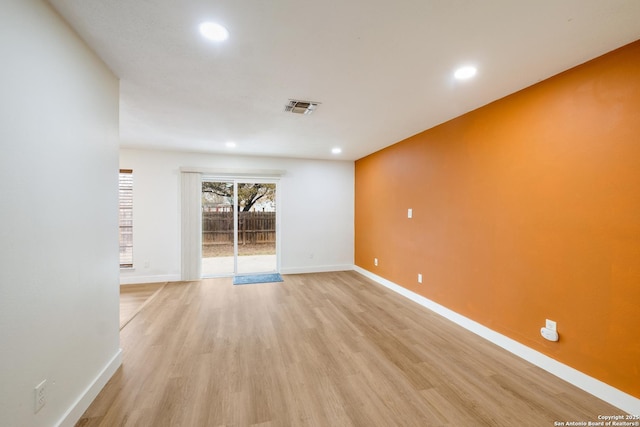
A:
<point x="251" y="179"/>
<point x="599" y="389"/>
<point x="235" y="227"/>
<point x="278" y="226"/>
<point x="317" y="269"/>
<point x="135" y="280"/>
<point x="75" y="411"/>
<point x="235" y="173"/>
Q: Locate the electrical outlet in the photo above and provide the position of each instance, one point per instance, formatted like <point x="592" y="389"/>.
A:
<point x="375" y="262"/>
<point x="550" y="330"/>
<point x="550" y="324"/>
<point x="410" y="213"/>
<point x="40" y="395"/>
<point x="549" y="335"/>
<point x="419" y="278"/>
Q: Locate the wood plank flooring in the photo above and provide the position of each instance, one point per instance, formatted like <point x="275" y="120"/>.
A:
<point x="330" y="349"/>
<point x="133" y="298"/>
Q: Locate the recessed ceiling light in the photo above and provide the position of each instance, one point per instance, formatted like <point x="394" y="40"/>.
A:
<point x="336" y="150"/>
<point x="214" y="32"/>
<point x="230" y="144"/>
<point x="466" y="72"/>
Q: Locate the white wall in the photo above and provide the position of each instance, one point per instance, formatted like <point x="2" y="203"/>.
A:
<point x="58" y="218"/>
<point x="317" y="199"/>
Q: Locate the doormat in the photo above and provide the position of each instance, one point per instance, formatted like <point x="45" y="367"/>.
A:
<point x="257" y="278"/>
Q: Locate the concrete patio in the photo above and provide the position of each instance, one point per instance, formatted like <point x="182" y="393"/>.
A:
<point x="223" y="266"/>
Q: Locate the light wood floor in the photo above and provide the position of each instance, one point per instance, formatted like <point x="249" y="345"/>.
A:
<point x="330" y="349"/>
<point x="133" y="299"/>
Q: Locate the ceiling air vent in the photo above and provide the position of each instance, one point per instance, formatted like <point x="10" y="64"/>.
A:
<point x="300" y="107"/>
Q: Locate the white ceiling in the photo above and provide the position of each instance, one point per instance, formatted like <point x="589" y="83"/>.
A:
<point x="381" y="69"/>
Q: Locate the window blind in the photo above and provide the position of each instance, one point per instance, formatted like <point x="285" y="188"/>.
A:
<point x="191" y="213"/>
<point x="126" y="217"/>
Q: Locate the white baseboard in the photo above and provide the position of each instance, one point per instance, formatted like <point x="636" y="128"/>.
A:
<point x="599" y="389"/>
<point x="317" y="269"/>
<point x="135" y="280"/>
<point x="76" y="410"/>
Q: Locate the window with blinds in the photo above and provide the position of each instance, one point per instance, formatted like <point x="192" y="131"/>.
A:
<point x="126" y="218"/>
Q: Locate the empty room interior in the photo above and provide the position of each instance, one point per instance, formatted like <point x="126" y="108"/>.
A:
<point x="340" y="213"/>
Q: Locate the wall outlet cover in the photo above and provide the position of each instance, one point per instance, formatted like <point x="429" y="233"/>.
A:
<point x="40" y="395"/>
<point x="550" y="324"/>
<point x="549" y="334"/>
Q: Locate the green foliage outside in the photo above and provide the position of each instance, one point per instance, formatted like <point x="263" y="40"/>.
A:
<point x="248" y="193"/>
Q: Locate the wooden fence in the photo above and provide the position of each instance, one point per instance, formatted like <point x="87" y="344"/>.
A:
<point x="253" y="227"/>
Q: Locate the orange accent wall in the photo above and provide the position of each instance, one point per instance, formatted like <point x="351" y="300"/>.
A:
<point x="524" y="210"/>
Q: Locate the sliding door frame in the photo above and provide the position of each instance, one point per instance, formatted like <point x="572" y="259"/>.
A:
<point x="243" y="180"/>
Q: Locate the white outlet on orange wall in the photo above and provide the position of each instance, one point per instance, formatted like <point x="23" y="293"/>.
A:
<point x="550" y="324"/>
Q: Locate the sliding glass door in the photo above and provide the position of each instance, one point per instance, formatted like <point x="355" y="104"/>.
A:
<point x="217" y="228"/>
<point x="256" y="230"/>
<point x="239" y="227"/>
